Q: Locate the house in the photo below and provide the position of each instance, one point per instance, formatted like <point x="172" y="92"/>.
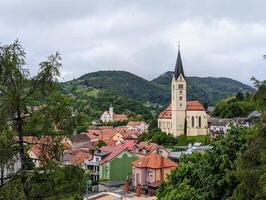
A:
<point x="182" y="117"/>
<point x="144" y="148"/>
<point x="220" y="126"/>
<point x="151" y="170"/>
<point x="137" y="126"/>
<point x="78" y="140"/>
<point x="35" y="154"/>
<point x="76" y="157"/>
<point x="110" y="162"/>
<point x="110" y="116"/>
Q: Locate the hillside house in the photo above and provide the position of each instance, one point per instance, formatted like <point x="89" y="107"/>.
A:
<point x="138" y="126"/>
<point x="144" y="148"/>
<point x="112" y="163"/>
<point x="151" y="170"/>
<point x="110" y="116"/>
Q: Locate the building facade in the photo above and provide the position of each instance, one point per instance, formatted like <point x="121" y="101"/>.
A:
<point x="182" y="117"/>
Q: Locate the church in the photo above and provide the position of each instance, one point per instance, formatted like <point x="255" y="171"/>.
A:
<point x="182" y="117"/>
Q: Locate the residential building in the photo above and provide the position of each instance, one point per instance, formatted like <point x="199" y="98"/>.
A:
<point x="137" y="126"/>
<point x="110" y="162"/>
<point x="151" y="170"/>
<point x="182" y="117"/>
<point x="144" y="148"/>
<point x="110" y="116"/>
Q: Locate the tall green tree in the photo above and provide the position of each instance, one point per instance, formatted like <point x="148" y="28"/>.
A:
<point x="31" y="105"/>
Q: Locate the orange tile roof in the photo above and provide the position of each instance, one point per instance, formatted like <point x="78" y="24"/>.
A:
<point x="191" y="105"/>
<point x="133" y="123"/>
<point x="77" y="156"/>
<point x="114" y="151"/>
<point x="194" y="105"/>
<point x="118" y="117"/>
<point x="153" y="161"/>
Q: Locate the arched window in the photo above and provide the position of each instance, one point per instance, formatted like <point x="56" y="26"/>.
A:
<point x="192" y="121"/>
<point x="199" y="121"/>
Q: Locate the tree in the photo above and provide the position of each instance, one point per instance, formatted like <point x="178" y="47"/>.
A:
<point x="29" y="105"/>
<point x="6" y="152"/>
<point x="209" y="175"/>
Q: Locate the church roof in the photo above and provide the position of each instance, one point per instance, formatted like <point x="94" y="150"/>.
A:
<point x="179" y="66"/>
<point x="191" y="106"/>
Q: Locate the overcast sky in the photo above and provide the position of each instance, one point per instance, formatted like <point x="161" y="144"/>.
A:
<point x="220" y="38"/>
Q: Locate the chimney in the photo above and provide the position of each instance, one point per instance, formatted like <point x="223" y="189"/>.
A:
<point x="138" y="190"/>
<point x="162" y="167"/>
<point x="126" y="186"/>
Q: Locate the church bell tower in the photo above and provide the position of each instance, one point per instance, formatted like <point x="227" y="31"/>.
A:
<point x="179" y="98"/>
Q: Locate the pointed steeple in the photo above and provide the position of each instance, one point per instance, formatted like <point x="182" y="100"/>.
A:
<point x="178" y="66"/>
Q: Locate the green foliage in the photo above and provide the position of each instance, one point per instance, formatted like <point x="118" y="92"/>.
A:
<point x="207" y="90"/>
<point x="209" y="175"/>
<point x="234" y="107"/>
<point x="159" y="137"/>
<point x="51" y="182"/>
<point x="184" y="140"/>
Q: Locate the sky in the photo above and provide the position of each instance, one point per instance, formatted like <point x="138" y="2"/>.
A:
<point x="219" y="38"/>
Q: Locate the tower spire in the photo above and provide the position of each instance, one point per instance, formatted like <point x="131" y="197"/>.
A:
<point x="179" y="66"/>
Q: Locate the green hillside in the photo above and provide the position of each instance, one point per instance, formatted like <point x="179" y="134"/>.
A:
<point x="207" y="89"/>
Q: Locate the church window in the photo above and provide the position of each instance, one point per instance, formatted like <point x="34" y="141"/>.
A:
<point x="199" y="121"/>
<point x="180" y="92"/>
<point x="180" y="98"/>
<point x="173" y="87"/>
<point x="180" y="86"/>
<point x="192" y="121"/>
<point x="180" y="104"/>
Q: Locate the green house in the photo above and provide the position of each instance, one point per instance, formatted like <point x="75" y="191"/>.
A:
<point x="117" y="164"/>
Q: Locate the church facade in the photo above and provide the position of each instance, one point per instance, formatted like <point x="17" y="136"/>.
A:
<point x="182" y="117"/>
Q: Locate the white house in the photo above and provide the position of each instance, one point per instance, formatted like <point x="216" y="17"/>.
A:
<point x="110" y="116"/>
<point x="138" y="126"/>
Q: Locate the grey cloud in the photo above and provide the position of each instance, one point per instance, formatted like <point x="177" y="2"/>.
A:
<point x="219" y="38"/>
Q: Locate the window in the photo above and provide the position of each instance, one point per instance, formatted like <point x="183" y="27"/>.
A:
<point x="199" y="121"/>
<point x="180" y="98"/>
<point x="180" y="92"/>
<point x="150" y="173"/>
<point x="180" y="86"/>
<point x="173" y="87"/>
<point x="180" y="104"/>
<point x="192" y="121"/>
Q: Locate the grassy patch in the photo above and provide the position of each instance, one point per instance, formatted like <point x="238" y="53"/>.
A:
<point x="185" y="140"/>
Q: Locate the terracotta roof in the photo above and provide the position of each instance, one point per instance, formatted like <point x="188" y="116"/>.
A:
<point x="118" y="117"/>
<point x="153" y="161"/>
<point x="114" y="151"/>
<point x="191" y="105"/>
<point x="132" y="123"/>
<point x="77" y="156"/>
<point x="167" y="113"/>
<point x="149" y="146"/>
<point x="36" y="149"/>
<point x="194" y="105"/>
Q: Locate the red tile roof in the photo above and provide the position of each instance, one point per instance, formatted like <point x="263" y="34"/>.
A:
<point x="114" y="151"/>
<point x="120" y="117"/>
<point x="194" y="105"/>
<point x="191" y="105"/>
<point x="153" y="161"/>
<point x="77" y="156"/>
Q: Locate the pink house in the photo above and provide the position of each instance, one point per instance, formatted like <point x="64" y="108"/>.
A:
<point x="151" y="170"/>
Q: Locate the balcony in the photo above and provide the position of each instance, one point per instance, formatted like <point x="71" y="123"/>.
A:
<point x="92" y="163"/>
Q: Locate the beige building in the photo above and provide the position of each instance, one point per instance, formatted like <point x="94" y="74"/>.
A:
<point x="182" y="116"/>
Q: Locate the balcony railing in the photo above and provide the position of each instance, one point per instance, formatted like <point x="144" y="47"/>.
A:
<point x="92" y="163"/>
